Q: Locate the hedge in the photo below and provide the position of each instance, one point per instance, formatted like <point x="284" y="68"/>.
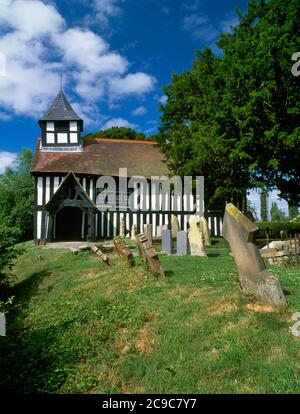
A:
<point x="274" y="228"/>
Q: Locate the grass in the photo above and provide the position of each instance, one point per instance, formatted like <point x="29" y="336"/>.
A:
<point x="79" y="326"/>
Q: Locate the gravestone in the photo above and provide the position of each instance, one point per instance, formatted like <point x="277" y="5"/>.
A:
<point x="124" y="253"/>
<point x="105" y="258"/>
<point x="159" y="229"/>
<point x="205" y="230"/>
<point x="182" y="243"/>
<point x="133" y="232"/>
<point x="166" y="241"/>
<point x="196" y="238"/>
<point x="148" y="232"/>
<point x="174" y="226"/>
<point x="122" y="228"/>
<point x="141" y="238"/>
<point x="149" y="256"/>
<point x="254" y="278"/>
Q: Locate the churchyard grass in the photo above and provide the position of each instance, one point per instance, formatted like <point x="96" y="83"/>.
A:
<point x="79" y="326"/>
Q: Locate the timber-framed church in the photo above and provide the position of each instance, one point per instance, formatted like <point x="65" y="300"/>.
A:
<point x="66" y="167"/>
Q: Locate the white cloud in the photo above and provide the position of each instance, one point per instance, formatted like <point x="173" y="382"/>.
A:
<point x="203" y="27"/>
<point x="118" y="122"/>
<point x="104" y="9"/>
<point x="38" y="46"/>
<point x="6" y="160"/>
<point x="136" y="84"/>
<point x="140" y="110"/>
<point x="192" y="21"/>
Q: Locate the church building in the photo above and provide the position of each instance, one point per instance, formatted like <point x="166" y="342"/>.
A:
<point x="66" y="168"/>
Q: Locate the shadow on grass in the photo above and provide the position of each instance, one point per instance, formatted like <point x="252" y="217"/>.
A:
<point x="27" y="366"/>
<point x="213" y="255"/>
<point x="169" y="273"/>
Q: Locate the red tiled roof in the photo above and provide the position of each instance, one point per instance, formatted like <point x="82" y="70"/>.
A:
<point x="103" y="156"/>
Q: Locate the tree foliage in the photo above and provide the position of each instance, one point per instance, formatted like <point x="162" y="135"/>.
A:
<point x="118" y="133"/>
<point x="8" y="252"/>
<point x="234" y="118"/>
<point x="17" y="197"/>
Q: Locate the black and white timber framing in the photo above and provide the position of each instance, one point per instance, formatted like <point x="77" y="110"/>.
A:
<point x="66" y="203"/>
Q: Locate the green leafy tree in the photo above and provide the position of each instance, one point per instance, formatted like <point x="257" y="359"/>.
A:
<point x="276" y="213"/>
<point x="293" y="212"/>
<point x="118" y="133"/>
<point x="17" y="197"/>
<point x="264" y="205"/>
<point x="8" y="252"/>
<point x="234" y="119"/>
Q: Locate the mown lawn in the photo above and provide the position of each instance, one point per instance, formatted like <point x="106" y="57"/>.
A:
<point x="79" y="326"/>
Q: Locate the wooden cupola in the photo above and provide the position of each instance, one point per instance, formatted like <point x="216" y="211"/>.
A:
<point x="61" y="127"/>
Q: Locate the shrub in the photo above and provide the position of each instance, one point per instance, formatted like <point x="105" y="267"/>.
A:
<point x="8" y="252"/>
<point x="275" y="227"/>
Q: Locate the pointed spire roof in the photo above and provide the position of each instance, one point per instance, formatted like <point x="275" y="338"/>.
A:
<point x="61" y="110"/>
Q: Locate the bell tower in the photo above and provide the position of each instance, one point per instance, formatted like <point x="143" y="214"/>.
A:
<point x="61" y="127"/>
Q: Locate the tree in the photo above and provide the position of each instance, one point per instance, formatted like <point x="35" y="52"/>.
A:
<point x="118" y="133"/>
<point x="293" y="212"/>
<point x="234" y="118"/>
<point x="197" y="137"/>
<point x="8" y="253"/>
<point x="264" y="205"/>
<point x="17" y="197"/>
<point x="276" y="213"/>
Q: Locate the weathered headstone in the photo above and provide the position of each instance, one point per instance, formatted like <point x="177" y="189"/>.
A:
<point x="133" y="232"/>
<point x="122" y="228"/>
<point x="182" y="243"/>
<point x="196" y="238"/>
<point x="105" y="258"/>
<point x="149" y="255"/>
<point x="239" y="231"/>
<point x="174" y="226"/>
<point x="124" y="253"/>
<point x="205" y="230"/>
<point x="166" y="241"/>
<point x="148" y="232"/>
<point x="159" y="229"/>
<point x="141" y="238"/>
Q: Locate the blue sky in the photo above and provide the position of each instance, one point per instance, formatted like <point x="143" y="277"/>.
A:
<point x="115" y="56"/>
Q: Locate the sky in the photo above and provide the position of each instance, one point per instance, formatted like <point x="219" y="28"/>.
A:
<point x="115" y="56"/>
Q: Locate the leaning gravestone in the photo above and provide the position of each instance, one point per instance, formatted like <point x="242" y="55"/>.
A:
<point x="182" y="243"/>
<point x="166" y="241"/>
<point x="150" y="256"/>
<point x="104" y="257"/>
<point x="204" y="228"/>
<point x="239" y="231"/>
<point x="125" y="254"/>
<point x="196" y="238"/>
<point x="141" y="238"/>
